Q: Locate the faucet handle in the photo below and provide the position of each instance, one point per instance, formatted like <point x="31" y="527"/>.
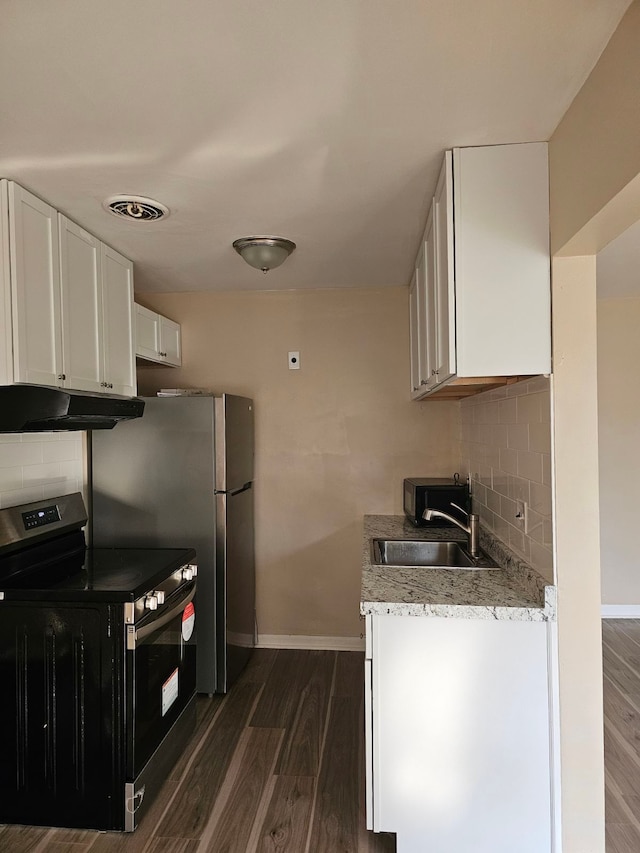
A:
<point x="463" y="511"/>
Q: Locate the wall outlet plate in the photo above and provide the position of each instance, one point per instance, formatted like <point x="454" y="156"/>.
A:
<point x="522" y="515"/>
<point x="294" y="360"/>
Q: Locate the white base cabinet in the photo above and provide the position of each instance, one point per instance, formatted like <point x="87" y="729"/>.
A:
<point x="483" y="270"/>
<point x="66" y="302"/>
<point x="158" y="339"/>
<point x="458" y="743"/>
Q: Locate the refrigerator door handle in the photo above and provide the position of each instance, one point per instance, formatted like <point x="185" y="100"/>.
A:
<point x="232" y="492"/>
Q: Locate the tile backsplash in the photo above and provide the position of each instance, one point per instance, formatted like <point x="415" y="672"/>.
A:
<point x="40" y="465"/>
<point x="506" y="447"/>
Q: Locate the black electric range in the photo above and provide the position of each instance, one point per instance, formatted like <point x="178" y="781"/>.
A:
<point x="97" y="660"/>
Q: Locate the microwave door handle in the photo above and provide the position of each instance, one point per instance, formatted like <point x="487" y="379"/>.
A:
<point x="137" y="634"/>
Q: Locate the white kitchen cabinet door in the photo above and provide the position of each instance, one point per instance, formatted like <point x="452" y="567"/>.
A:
<point x="35" y="289"/>
<point x="461" y="734"/>
<point x="414" y="332"/>
<point x="423" y="316"/>
<point x="502" y="266"/>
<point x="147" y="333"/>
<point x="445" y="305"/>
<point x="170" y="341"/>
<point x="119" y="323"/>
<point x="82" y="341"/>
<point x="430" y="318"/>
<point x="6" y="333"/>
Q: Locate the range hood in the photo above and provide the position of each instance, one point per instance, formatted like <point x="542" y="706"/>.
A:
<point x="34" y="408"/>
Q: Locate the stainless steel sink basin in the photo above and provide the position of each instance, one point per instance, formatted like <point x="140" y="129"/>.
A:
<point x="424" y="554"/>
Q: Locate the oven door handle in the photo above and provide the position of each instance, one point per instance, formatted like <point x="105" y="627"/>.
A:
<point x="137" y="634"/>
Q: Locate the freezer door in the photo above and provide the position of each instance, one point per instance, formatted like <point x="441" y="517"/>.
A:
<point x="234" y="442"/>
<point x="235" y="557"/>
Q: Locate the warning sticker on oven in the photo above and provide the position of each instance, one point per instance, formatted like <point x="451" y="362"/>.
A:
<point x="169" y="691"/>
<point x="188" y="621"/>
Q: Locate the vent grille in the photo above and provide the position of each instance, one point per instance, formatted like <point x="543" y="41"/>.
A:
<point x="136" y="208"/>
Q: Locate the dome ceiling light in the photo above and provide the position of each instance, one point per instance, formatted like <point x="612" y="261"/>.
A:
<point x="264" y="253"/>
<point x="136" y="208"/>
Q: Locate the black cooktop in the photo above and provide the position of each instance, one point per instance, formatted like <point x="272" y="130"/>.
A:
<point x="43" y="556"/>
<point x="97" y="574"/>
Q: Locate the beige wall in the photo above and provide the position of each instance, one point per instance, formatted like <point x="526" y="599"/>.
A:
<point x="618" y="427"/>
<point x="333" y="440"/>
<point x="41" y="465"/>
<point x="594" y="160"/>
<point x="506" y="446"/>
<point x="594" y="156"/>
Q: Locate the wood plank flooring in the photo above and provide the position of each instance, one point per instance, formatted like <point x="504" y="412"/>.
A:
<point x="621" y="659"/>
<point x="275" y="766"/>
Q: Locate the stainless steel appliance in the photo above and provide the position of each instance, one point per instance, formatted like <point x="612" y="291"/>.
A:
<point x="439" y="493"/>
<point x="97" y="663"/>
<point x="183" y="475"/>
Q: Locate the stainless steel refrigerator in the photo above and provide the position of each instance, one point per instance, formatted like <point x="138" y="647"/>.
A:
<point x="182" y="475"/>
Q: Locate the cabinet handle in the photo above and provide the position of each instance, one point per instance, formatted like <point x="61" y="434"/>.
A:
<point x="424" y="381"/>
<point x="163" y="354"/>
<point x="434" y="372"/>
<point x="62" y="376"/>
<point x="110" y="385"/>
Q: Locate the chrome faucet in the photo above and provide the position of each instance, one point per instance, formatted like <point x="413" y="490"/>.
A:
<point x="472" y="530"/>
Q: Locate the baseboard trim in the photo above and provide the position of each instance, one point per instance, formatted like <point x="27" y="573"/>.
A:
<point x="620" y="611"/>
<point x="299" y="641"/>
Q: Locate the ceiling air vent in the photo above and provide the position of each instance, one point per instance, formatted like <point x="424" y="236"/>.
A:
<point x="136" y="208"/>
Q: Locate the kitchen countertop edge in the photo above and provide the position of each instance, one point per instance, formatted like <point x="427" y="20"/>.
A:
<point x="515" y="592"/>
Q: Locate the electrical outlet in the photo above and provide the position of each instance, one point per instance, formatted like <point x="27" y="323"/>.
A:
<point x="522" y="515"/>
<point x="294" y="361"/>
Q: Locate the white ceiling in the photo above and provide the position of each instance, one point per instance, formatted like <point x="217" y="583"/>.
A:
<point x="323" y="122"/>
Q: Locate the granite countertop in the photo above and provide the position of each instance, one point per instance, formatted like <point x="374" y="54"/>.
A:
<point x="515" y="591"/>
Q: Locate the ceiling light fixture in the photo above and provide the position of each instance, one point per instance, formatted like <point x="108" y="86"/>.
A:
<point x="264" y="253"/>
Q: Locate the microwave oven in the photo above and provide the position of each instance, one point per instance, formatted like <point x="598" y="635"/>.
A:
<point x="440" y="493"/>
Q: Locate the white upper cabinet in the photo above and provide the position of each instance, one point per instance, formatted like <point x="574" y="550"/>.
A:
<point x="170" y="341"/>
<point x="82" y="340"/>
<point x="34" y="287"/>
<point x="502" y="263"/>
<point x="66" y="302"/>
<point x="147" y="333"/>
<point x="119" y="323"/>
<point x="424" y="374"/>
<point x="158" y="339"/>
<point x="490" y="311"/>
<point x="414" y="331"/>
<point x="445" y="304"/>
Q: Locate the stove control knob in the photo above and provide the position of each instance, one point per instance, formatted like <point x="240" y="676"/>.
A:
<point x="151" y="602"/>
<point x="187" y="573"/>
<point x="194" y="569"/>
<point x="159" y="594"/>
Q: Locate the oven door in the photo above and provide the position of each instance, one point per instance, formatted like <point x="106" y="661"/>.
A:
<point x="161" y="674"/>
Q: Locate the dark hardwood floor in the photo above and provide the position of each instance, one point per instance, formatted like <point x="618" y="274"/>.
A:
<point x="275" y="766"/>
<point x="621" y="657"/>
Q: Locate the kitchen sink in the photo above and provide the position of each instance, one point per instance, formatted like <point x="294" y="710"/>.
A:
<point x="423" y="554"/>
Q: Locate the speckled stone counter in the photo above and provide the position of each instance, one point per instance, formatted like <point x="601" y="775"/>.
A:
<point x="514" y="591"/>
